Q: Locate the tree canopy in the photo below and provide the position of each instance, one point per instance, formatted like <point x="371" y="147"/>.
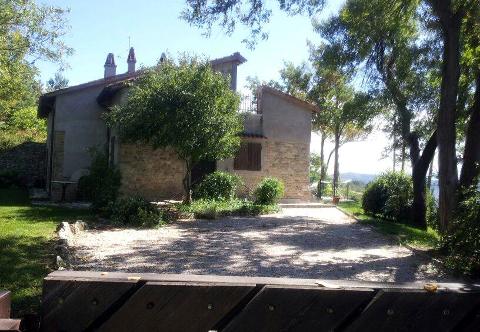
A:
<point x="184" y="105"/>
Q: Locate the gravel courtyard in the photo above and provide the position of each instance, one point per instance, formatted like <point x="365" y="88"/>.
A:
<point x="320" y="243"/>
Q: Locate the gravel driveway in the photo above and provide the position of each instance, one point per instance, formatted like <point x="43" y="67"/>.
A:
<point x="319" y="243"/>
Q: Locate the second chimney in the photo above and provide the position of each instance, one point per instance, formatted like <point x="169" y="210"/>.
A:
<point x="131" y="60"/>
<point x="110" y="66"/>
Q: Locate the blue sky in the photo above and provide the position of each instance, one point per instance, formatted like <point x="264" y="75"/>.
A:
<point x="99" y="27"/>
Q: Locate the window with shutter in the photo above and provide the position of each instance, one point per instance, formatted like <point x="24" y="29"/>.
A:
<point x="249" y="157"/>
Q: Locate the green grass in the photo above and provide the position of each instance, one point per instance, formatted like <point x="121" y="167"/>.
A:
<point x="27" y="235"/>
<point x="415" y="237"/>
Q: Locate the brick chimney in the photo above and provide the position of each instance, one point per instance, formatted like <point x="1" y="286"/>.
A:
<point x="131" y="60"/>
<point x="110" y="66"/>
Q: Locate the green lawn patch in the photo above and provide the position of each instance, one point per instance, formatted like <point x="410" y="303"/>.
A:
<point x="27" y="235"/>
<point x="412" y="236"/>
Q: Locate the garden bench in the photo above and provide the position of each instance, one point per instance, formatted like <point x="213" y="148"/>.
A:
<point x="94" y="301"/>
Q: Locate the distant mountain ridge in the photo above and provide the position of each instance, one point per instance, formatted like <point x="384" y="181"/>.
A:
<point x="365" y="178"/>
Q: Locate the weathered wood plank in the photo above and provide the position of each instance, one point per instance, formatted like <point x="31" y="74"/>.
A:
<point x="87" y="275"/>
<point x="177" y="307"/>
<point x="407" y="310"/>
<point x="5" y="304"/>
<point x="9" y="325"/>
<point x="75" y="305"/>
<point x="277" y="308"/>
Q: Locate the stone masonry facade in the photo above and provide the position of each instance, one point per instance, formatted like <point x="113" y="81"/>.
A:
<point x="158" y="174"/>
<point x="288" y="162"/>
<point x="152" y="174"/>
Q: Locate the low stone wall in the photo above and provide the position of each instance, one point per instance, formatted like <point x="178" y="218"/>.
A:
<point x="153" y="174"/>
<point x="29" y="161"/>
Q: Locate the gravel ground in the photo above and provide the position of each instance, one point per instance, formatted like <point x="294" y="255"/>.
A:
<point x="319" y="243"/>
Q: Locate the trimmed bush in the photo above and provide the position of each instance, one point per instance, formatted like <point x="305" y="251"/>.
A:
<point x="269" y="191"/>
<point x="390" y="195"/>
<point x="135" y="211"/>
<point x="213" y="209"/>
<point x="463" y="242"/>
<point x="217" y="185"/>
<point x="101" y="186"/>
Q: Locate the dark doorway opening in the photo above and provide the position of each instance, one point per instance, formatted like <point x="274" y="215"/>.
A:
<point x="202" y="169"/>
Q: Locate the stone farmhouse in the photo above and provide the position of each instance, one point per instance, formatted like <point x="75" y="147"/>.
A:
<point x="275" y="140"/>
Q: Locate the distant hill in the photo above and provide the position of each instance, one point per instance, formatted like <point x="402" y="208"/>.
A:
<point x="365" y="178"/>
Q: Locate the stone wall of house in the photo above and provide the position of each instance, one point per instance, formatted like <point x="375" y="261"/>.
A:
<point x="287" y="161"/>
<point x="152" y="174"/>
<point x="28" y="160"/>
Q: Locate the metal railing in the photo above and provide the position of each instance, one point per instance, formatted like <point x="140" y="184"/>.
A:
<point x="248" y="104"/>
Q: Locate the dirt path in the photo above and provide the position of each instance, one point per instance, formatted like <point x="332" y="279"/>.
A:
<point x="318" y="243"/>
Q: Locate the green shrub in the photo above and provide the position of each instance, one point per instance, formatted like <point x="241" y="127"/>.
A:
<point x="217" y="185"/>
<point x="101" y="186"/>
<point x="463" y="241"/>
<point x="9" y="179"/>
<point x="390" y="195"/>
<point x="269" y="191"/>
<point x="213" y="209"/>
<point x="432" y="211"/>
<point x="135" y="211"/>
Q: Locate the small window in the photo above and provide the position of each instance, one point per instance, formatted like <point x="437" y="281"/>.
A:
<point x="249" y="157"/>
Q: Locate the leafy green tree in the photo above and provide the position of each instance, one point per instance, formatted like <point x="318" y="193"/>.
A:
<point x="186" y="106"/>
<point x="401" y="68"/>
<point x="28" y="32"/>
<point x="253" y="14"/>
<point x="56" y="83"/>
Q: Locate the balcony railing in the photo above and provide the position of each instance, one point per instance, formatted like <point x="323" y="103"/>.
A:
<point x="248" y="104"/>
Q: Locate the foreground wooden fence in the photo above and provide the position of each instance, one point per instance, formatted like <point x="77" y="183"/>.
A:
<point x="91" y="301"/>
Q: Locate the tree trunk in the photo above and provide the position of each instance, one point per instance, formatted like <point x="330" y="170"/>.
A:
<point x="394" y="152"/>
<point x="335" y="166"/>
<point x="419" y="172"/>
<point x="471" y="154"/>
<point x="323" y="170"/>
<point x="187" y="182"/>
<point x="403" y="157"/>
<point x="447" y="163"/>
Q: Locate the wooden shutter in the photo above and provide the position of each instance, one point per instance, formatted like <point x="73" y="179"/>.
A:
<point x="249" y="157"/>
<point x="254" y="156"/>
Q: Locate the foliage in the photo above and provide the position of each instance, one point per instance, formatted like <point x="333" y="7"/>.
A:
<point x="315" y="165"/>
<point x="56" y="83"/>
<point x="463" y="241"/>
<point x="423" y="239"/>
<point x="251" y="14"/>
<point x="101" y="186"/>
<point x="28" y="32"/>
<point x="9" y="179"/>
<point x="22" y="126"/>
<point x="27" y="246"/>
<point x="390" y="196"/>
<point x="189" y="108"/>
<point x="432" y="211"/>
<point x="217" y="185"/>
<point x="135" y="211"/>
<point x="269" y="191"/>
<point x="213" y="209"/>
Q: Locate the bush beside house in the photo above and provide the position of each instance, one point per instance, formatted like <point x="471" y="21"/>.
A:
<point x="390" y="196"/>
<point x="216" y="197"/>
